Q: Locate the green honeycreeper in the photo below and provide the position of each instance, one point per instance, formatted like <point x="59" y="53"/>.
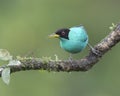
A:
<point x="72" y="40"/>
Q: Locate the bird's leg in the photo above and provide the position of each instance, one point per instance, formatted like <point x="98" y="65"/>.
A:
<point x="70" y="58"/>
<point x="96" y="52"/>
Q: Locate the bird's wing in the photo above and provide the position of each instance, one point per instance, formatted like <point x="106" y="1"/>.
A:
<point x="78" y="34"/>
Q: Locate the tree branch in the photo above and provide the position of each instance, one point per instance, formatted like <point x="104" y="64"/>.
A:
<point x="66" y="65"/>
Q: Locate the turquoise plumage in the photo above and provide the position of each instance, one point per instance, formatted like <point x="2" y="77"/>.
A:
<point x="72" y="40"/>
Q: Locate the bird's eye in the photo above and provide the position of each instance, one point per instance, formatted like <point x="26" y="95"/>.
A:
<point x="63" y="33"/>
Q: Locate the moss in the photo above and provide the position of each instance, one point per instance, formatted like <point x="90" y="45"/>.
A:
<point x="46" y="60"/>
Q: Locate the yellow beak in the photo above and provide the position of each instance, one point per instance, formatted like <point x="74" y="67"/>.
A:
<point x="54" y="36"/>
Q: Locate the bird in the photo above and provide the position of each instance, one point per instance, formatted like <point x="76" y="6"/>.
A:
<point x="72" y="40"/>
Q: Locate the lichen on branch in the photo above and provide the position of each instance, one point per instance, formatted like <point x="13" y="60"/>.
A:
<point x="57" y="65"/>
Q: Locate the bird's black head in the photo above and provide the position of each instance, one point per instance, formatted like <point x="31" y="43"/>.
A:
<point x="63" y="33"/>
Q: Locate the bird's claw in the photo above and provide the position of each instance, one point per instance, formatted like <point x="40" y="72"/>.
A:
<point x="96" y="52"/>
<point x="70" y="58"/>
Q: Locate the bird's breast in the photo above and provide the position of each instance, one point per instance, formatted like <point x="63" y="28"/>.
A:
<point x="73" y="46"/>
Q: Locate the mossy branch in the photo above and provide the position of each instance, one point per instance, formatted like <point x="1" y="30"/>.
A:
<point x="57" y="65"/>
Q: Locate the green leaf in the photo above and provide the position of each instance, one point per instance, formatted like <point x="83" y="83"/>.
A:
<point x="112" y="27"/>
<point x="6" y="75"/>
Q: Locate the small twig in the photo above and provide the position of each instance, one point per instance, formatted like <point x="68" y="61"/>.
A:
<point x="65" y="65"/>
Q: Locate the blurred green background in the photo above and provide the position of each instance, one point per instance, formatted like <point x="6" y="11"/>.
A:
<point x="25" y="26"/>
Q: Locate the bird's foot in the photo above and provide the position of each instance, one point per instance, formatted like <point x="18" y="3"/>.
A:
<point x="96" y="52"/>
<point x="70" y="59"/>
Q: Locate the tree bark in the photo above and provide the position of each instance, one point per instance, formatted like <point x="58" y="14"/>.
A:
<point x="83" y="64"/>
